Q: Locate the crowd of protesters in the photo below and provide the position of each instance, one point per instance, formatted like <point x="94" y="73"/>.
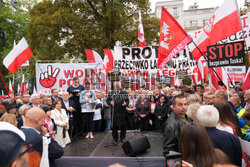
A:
<point x="204" y="125"/>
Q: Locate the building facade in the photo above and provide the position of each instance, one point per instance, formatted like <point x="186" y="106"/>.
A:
<point x="191" y="19"/>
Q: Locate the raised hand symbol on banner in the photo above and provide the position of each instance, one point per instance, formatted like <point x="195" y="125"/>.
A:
<point x="48" y="78"/>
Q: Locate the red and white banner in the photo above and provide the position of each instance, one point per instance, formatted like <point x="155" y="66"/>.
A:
<point x="246" y="84"/>
<point x="17" y="56"/>
<point x="92" y="56"/>
<point x="141" y="32"/>
<point x="108" y="62"/>
<point x="173" y="38"/>
<point x="22" y="85"/>
<point x="60" y="76"/>
<point x="222" y="24"/>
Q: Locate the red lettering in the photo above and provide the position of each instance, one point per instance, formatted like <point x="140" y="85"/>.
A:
<point x="213" y="55"/>
<point x="220" y="50"/>
<point x="86" y="73"/>
<point x="92" y="81"/>
<point x="61" y="82"/>
<point x="68" y="73"/>
<point x="237" y="48"/>
<point x="244" y="20"/>
<point x="172" y="73"/>
<point x="79" y="73"/>
<point x="145" y="74"/>
<point x="85" y="80"/>
<point x="92" y="72"/>
<point x="69" y="82"/>
<point x="164" y="73"/>
<point x="229" y="50"/>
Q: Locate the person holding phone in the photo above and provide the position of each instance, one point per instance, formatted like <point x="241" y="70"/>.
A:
<point x="88" y="101"/>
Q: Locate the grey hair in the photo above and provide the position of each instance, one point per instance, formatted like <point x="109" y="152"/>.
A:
<point x="192" y="111"/>
<point x="193" y="97"/>
<point x="208" y="116"/>
<point x="222" y="93"/>
<point x="33" y="96"/>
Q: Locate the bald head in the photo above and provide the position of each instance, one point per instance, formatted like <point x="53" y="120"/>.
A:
<point x="35" y="118"/>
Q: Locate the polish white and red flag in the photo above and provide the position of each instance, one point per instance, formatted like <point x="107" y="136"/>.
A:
<point x="92" y="56"/>
<point x="141" y="32"/>
<point x="17" y="56"/>
<point x="108" y="61"/>
<point x="173" y="38"/>
<point x="224" y="22"/>
<point x="11" y="90"/>
<point x="246" y="83"/>
<point x="22" y="84"/>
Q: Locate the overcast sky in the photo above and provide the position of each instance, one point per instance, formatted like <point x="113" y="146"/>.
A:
<point x="201" y="3"/>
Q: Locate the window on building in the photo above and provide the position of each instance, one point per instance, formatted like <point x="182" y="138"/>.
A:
<point x="193" y="23"/>
<point x="175" y="12"/>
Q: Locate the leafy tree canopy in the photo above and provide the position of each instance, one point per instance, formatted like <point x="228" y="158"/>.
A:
<point x="63" y="28"/>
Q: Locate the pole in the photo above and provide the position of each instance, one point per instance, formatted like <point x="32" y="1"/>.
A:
<point x="207" y="60"/>
<point x="4" y="83"/>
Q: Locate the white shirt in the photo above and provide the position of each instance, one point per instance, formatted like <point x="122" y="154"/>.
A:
<point x="225" y="128"/>
<point x="97" y="114"/>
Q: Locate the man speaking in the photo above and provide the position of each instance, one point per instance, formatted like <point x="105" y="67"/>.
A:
<point x="118" y="99"/>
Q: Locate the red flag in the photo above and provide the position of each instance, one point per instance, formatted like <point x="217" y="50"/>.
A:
<point x="92" y="56"/>
<point x="214" y="80"/>
<point x="141" y="32"/>
<point x="17" y="56"/>
<point x="108" y="60"/>
<point x="246" y="84"/>
<point x="172" y="38"/>
<point x="152" y="82"/>
<point x="222" y="24"/>
<point x="22" y="85"/>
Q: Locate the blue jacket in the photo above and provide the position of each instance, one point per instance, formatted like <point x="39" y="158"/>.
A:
<point x="83" y="99"/>
<point x="226" y="142"/>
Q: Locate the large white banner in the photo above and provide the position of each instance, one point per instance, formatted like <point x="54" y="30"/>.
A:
<point x="59" y="76"/>
<point x="141" y="62"/>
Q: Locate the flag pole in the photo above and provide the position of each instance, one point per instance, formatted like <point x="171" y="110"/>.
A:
<point x="207" y="60"/>
<point x="4" y="83"/>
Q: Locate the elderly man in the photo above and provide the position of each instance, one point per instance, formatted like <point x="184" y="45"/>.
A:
<point x="34" y="121"/>
<point x="118" y="99"/>
<point x="208" y="116"/>
<point x="35" y="100"/>
<point x="192" y="99"/>
<point x="67" y="105"/>
<point x="174" y="123"/>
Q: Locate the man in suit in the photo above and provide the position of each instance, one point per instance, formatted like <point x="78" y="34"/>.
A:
<point x="208" y="116"/>
<point x="119" y="100"/>
<point x="34" y="121"/>
<point x="67" y="105"/>
<point x="54" y="95"/>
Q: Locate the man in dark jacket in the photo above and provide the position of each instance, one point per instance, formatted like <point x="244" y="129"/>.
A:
<point x="174" y="124"/>
<point x="34" y="120"/>
<point x="208" y="116"/>
<point x="118" y="99"/>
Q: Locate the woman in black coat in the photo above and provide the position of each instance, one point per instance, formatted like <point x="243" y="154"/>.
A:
<point x="161" y="113"/>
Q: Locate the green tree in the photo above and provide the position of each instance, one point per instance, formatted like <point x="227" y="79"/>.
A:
<point x="63" y="28"/>
<point x="13" y="26"/>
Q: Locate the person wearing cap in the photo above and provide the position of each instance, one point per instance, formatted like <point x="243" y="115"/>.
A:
<point x="13" y="146"/>
<point x="34" y="122"/>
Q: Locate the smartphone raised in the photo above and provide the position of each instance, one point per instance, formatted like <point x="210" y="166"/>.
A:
<point x="173" y="159"/>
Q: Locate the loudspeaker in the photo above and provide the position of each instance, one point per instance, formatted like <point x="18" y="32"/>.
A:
<point x="136" y="146"/>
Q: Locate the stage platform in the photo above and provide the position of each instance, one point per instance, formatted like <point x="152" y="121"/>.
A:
<point x="101" y="145"/>
<point x="100" y="152"/>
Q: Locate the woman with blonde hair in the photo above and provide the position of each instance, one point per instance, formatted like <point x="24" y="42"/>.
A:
<point x="192" y="111"/>
<point x="10" y="118"/>
<point x="22" y="111"/>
